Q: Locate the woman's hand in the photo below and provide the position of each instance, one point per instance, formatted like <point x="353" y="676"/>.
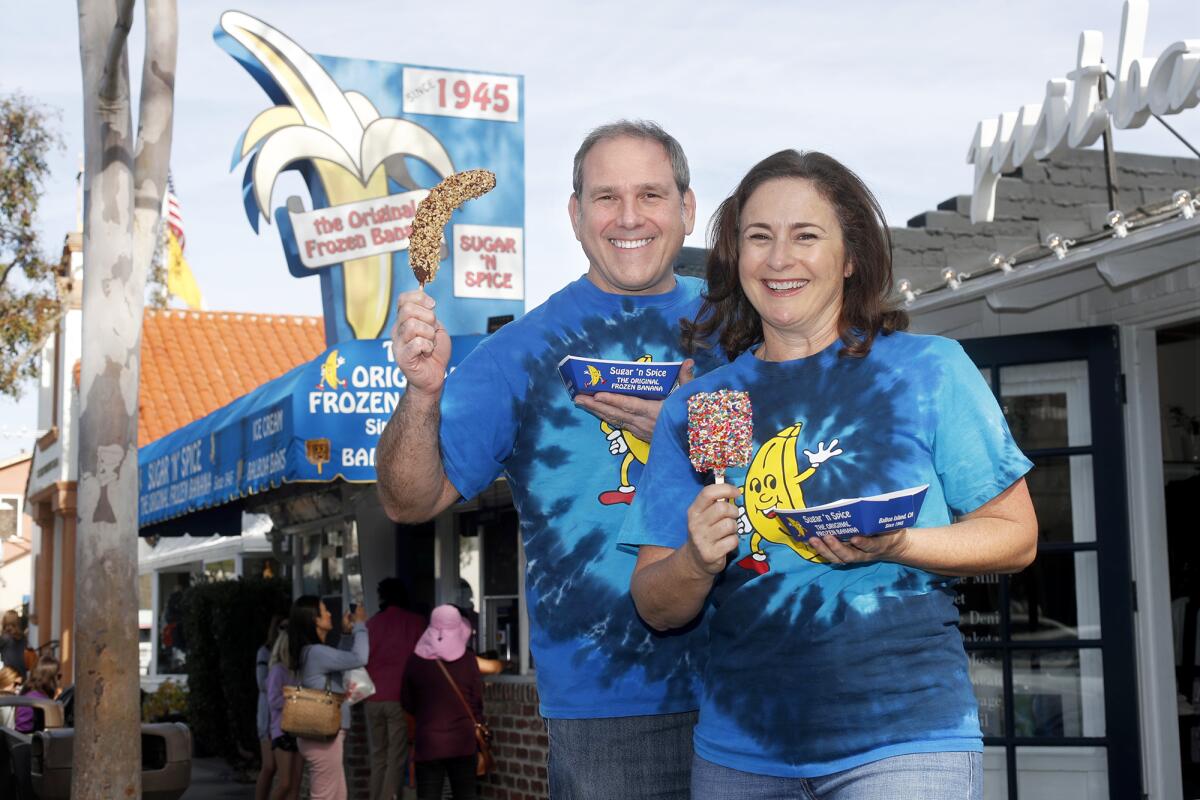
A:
<point x="712" y="528"/>
<point x="859" y="549"/>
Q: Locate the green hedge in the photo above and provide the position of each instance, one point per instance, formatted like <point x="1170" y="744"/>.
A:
<point x="225" y="622"/>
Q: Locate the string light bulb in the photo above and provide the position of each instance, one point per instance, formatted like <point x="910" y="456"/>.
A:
<point x="904" y="287"/>
<point x="952" y="278"/>
<point x="1116" y="221"/>
<point x="1185" y="203"/>
<point x="1001" y="262"/>
<point x="1056" y="243"/>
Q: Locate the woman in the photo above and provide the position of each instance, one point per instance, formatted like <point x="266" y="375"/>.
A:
<point x="10" y="684"/>
<point x="835" y="668"/>
<point x="42" y="682"/>
<point x="288" y="763"/>
<point x="262" y="660"/>
<point x="445" y="740"/>
<point x="321" y="666"/>
<point x="13" y="642"/>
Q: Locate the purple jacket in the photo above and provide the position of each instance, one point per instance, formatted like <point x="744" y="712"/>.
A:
<point x="277" y="678"/>
<point x="23" y="720"/>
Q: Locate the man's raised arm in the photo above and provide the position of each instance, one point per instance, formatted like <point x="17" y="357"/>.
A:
<point x="410" y="478"/>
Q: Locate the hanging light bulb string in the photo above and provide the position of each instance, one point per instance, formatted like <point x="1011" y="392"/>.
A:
<point x="1183" y="204"/>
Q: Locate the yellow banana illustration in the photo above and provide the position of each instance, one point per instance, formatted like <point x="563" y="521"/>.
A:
<point x="594" y="377"/>
<point x="772" y="482"/>
<point x="350" y="146"/>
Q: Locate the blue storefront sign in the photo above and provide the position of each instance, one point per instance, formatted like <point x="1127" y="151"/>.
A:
<point x="319" y="422"/>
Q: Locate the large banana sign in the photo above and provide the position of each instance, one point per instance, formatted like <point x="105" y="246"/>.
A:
<point x="369" y="138"/>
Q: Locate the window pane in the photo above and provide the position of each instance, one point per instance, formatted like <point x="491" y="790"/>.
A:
<point x="172" y="644"/>
<point x="987" y="676"/>
<point x="978" y="604"/>
<point x="1056" y="597"/>
<point x="995" y="774"/>
<point x="500" y="555"/>
<point x="1046" y="405"/>
<point x="1058" y="693"/>
<point x="1062" y="773"/>
<point x="1061" y="489"/>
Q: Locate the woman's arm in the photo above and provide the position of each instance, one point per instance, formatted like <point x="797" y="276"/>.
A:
<point x="999" y="536"/>
<point x="669" y="586"/>
<point x="332" y="659"/>
<point x="275" y="692"/>
<point x="261" y="666"/>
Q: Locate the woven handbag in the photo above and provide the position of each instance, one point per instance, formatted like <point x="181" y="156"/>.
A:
<point x="311" y="713"/>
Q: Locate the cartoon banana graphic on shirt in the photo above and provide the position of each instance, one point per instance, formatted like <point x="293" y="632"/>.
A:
<point x="773" y="482"/>
<point x="351" y="148"/>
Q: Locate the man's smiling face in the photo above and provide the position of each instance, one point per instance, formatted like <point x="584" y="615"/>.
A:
<point x="629" y="216"/>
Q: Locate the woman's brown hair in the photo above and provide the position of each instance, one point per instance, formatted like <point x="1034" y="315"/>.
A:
<point x="726" y="314"/>
<point x="43" y="677"/>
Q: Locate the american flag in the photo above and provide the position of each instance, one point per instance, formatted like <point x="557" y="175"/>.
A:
<point x="173" y="216"/>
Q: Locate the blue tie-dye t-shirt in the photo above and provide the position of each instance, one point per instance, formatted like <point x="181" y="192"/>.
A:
<point x="815" y="669"/>
<point x="505" y="410"/>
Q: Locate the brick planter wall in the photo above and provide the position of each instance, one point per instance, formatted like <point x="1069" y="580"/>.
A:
<point x="510" y="705"/>
<point x="519" y="742"/>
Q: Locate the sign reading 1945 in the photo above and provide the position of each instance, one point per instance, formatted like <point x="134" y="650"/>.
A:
<point x="461" y="94"/>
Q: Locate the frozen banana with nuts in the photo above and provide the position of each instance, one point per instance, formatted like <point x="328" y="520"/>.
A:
<point x="425" y="242"/>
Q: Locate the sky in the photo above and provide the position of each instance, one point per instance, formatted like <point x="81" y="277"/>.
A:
<point x="892" y="89"/>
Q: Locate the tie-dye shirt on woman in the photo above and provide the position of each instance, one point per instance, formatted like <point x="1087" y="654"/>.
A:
<point x="814" y="669"/>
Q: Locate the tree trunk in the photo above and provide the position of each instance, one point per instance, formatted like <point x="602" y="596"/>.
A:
<point x="120" y="182"/>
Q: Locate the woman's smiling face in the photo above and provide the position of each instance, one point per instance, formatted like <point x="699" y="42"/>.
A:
<point x="792" y="262"/>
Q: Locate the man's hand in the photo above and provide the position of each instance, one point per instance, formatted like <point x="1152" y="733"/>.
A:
<point x="420" y="344"/>
<point x="633" y="414"/>
<point x="712" y="528"/>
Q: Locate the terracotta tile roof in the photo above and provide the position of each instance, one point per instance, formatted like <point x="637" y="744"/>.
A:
<point x="194" y="362"/>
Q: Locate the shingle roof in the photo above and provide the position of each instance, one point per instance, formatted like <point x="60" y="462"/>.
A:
<point x="194" y="362"/>
<point x="1065" y="195"/>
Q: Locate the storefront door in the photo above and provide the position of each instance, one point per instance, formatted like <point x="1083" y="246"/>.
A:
<point x="1052" y="648"/>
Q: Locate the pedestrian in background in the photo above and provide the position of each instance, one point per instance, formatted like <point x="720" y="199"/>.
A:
<point x="13" y="642"/>
<point x="10" y="684"/>
<point x="320" y="667"/>
<point x="42" y="682"/>
<point x="393" y="632"/>
<point x="441" y="669"/>
<point x="262" y="660"/>
<point x="284" y="749"/>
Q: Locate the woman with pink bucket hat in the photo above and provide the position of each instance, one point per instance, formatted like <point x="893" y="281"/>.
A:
<point x="445" y="738"/>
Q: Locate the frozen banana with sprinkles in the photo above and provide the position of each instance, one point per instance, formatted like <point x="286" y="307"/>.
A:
<point x="425" y="243"/>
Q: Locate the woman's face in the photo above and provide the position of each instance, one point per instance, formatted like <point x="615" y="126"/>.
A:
<point x="324" y="621"/>
<point x="792" y="261"/>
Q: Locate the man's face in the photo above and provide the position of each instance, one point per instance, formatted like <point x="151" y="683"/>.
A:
<point x="629" y="216"/>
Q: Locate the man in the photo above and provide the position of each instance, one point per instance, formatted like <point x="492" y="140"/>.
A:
<point x="619" y="700"/>
<point x="393" y="633"/>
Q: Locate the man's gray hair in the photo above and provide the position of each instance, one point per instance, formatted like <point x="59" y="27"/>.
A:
<point x="637" y="129"/>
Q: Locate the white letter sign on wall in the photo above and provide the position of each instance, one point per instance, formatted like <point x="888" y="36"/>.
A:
<point x="1072" y="115"/>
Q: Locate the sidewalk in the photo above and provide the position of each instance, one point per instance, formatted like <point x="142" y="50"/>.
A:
<point x="212" y="779"/>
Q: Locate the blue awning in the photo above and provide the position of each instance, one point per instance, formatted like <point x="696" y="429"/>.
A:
<point x="317" y="423"/>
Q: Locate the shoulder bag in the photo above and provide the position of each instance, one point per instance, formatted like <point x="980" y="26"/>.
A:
<point x="484" y="763"/>
<point x="311" y="713"/>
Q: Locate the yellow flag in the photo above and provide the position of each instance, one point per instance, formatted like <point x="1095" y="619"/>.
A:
<point x="180" y="281"/>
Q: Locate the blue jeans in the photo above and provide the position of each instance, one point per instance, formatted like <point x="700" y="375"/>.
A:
<point x="920" y="776"/>
<point x="621" y="757"/>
